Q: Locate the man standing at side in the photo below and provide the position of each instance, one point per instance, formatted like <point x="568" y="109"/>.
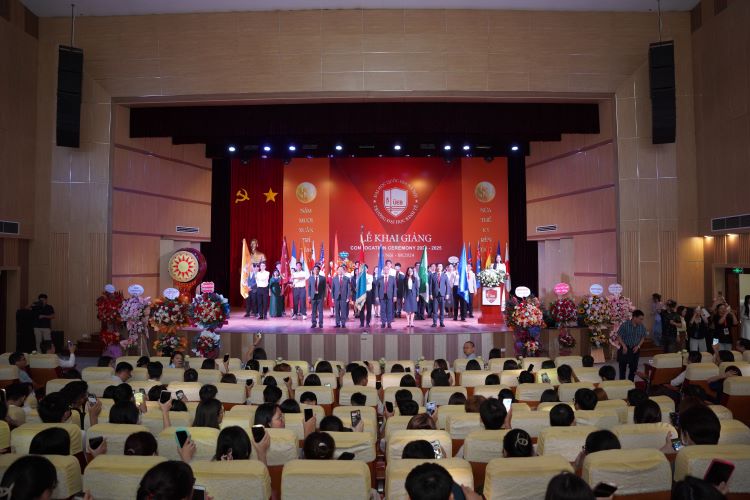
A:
<point x="386" y="295"/>
<point x="43" y="316"/>
<point x="262" y="278"/>
<point x="317" y="292"/>
<point x="400" y="284"/>
<point x="439" y="289"/>
<point x="471" y="280"/>
<point x="630" y="337"/>
<point x="299" y="276"/>
<point x="420" y="297"/>
<point x="251" y="302"/>
<point x="341" y="294"/>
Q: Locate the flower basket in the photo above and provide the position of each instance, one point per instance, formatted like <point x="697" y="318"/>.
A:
<point x="168" y="316"/>
<point x="207" y="345"/>
<point x="134" y="312"/>
<point x="209" y="311"/>
<point x="490" y="278"/>
<point x="170" y="343"/>
<point x="620" y="310"/>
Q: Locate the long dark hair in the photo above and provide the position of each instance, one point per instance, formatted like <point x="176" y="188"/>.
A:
<point x="207" y="414"/>
<point x="167" y="480"/>
<point x="29" y="477"/>
<point x="264" y="414"/>
<point x="233" y="438"/>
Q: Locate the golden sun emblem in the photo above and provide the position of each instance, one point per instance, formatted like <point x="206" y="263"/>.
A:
<point x="484" y="192"/>
<point x="183" y="266"/>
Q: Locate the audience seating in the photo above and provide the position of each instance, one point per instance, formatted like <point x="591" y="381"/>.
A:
<point x="361" y="444"/>
<point x="284" y="446"/>
<point x="244" y="419"/>
<point x="489" y="391"/>
<point x="496" y="364"/>
<point x="345" y="394"/>
<point x="16" y="414"/>
<point x="397" y="423"/>
<point x="191" y="389"/>
<point x="96" y="387"/>
<point x="266" y="364"/>
<point x="441" y="395"/>
<point x="694" y="461"/>
<point x="566" y="392"/>
<point x="318" y="411"/>
<point x="20" y="437"/>
<point x="531" y="393"/>
<point x="225" y="480"/>
<point x="243" y="375"/>
<point x="737" y="397"/>
<point x="473" y="378"/>
<point x="68" y="469"/>
<point x="152" y="420"/>
<point x="602" y="418"/>
<point x="116" y="477"/>
<point x="459" y="426"/>
<point x="97" y="373"/>
<point x="587" y="374"/>
<point x="303" y="365"/>
<point x="480" y="447"/>
<point x="522" y="478"/>
<point x="652" y="436"/>
<point x="280" y="376"/>
<point x="426" y="379"/>
<point x="4" y="437"/>
<point x="459" y="365"/>
<point x="663" y="368"/>
<point x="325" y="378"/>
<point x="532" y="422"/>
<point x="115" y="434"/>
<point x="635" y="472"/>
<point x="537" y="362"/>
<point x="396" y="473"/>
<point x="565" y="441"/>
<point x="146" y="385"/>
<point x="398" y="439"/>
<point x="445" y="411"/>
<point x="203" y="437"/>
<point x="368" y="413"/>
<point x="43" y="367"/>
<point x="372" y="365"/>
<point x="572" y="361"/>
<point x="256" y="393"/>
<point x="302" y="477"/>
<point x="230" y="394"/>
<point x="617" y="389"/>
<point x="417" y="395"/>
<point x="734" y="432"/>
<point x="698" y="373"/>
<point x="208" y="376"/>
<point x="324" y="395"/>
<point x="746" y="356"/>
<point x="138" y="374"/>
<point x="8" y="374"/>
<point x="722" y="412"/>
<point x="348" y="382"/>
<point x="548" y="406"/>
<point x="406" y="363"/>
<point x="618" y="405"/>
<point x="549" y="372"/>
<point x="56" y="384"/>
<point x="510" y="377"/>
<point x="133" y="360"/>
<point x="388" y="380"/>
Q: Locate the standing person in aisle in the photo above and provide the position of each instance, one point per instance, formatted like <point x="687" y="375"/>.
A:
<point x="262" y="279"/>
<point x="299" y="283"/>
<point x="630" y="337"/>
<point x="43" y="314"/>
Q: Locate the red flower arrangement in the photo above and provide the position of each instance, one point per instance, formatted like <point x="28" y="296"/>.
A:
<point x="563" y="310"/>
<point x="109" y="338"/>
<point x="108" y="307"/>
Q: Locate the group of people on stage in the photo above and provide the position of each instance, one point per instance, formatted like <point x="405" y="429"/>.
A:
<point x="390" y="293"/>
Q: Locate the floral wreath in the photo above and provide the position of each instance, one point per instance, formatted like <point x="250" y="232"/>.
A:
<point x="169" y="315"/>
<point x="209" y="311"/>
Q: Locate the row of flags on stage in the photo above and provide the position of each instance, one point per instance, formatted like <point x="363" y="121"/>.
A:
<point x="289" y="260"/>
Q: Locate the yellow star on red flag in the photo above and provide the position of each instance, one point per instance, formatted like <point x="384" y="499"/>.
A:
<point x="270" y="195"/>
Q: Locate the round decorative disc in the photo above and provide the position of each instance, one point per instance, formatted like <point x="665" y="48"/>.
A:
<point x="183" y="266"/>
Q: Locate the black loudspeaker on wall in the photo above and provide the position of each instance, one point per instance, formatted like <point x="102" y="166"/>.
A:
<point x="69" y="77"/>
<point x="663" y="106"/>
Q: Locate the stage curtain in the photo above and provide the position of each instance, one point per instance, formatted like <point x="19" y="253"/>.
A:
<point x="217" y="250"/>
<point x="524" y="257"/>
<point x="254" y="217"/>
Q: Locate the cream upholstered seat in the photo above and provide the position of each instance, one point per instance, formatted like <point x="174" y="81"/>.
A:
<point x="267" y="364"/>
<point x="335" y="364"/>
<point x="347" y="380"/>
<point x="619" y="405"/>
<point x="323" y="394"/>
<point x="399" y="439"/>
<point x="459" y="426"/>
<point x="446" y="411"/>
<point x="531" y="392"/>
<point x="426" y="379"/>
<point x="550" y="373"/>
<point x="368" y="414"/>
<point x="43" y="361"/>
<point x="256" y="393"/>
<point x="473" y="378"/>
<point x="694" y="461"/>
<point x="325" y="378"/>
<point x="138" y="374"/>
<point x="489" y="391"/>
<point x="396" y="423"/>
<point x="242" y="419"/>
<point x="537" y="362"/>
<point x="425" y="366"/>
<point x="115" y="434"/>
<point x="97" y="387"/>
<point x="16" y="415"/>
<point x="56" y="384"/>
<point x="603" y="419"/>
<point x="701" y="371"/>
<point x="722" y="412"/>
<point x="510" y="377"/>
<point x="572" y="361"/>
<point x="617" y="389"/>
<point x="320" y="412"/>
<point x="284" y="446"/>
<point x="8" y="373"/>
<point x="532" y="422"/>
<point x="737" y="386"/>
<point x="633" y="471"/>
<point x="587" y="374"/>
<point x="345" y="394"/>
<point x="230" y="393"/>
<point x="746" y="356"/>
<point x="301" y="478"/>
<point x="441" y="395"/>
<point x="4" y="435"/>
<point x="170" y="375"/>
<point x="152" y="420"/>
<point x="294" y="422"/>
<point x="224" y="480"/>
<point x="654" y="436"/>
<point x="459" y="365"/>
<point x="191" y="389"/>
<point x="361" y="444"/>
<point x="393" y="379"/>
<point x="565" y="441"/>
<point x="117" y="477"/>
<point x="669" y="360"/>
<point x="97" y="373"/>
<point x="146" y="385"/>
<point x="523" y="478"/>
<point x="406" y="363"/>
<point x="548" y="406"/>
<point x="495" y="365"/>
<point x="203" y="437"/>
<point x="666" y="404"/>
<point x="68" y="470"/>
<point x="566" y="392"/>
<point x="20" y="437"/>
<point x="243" y="375"/>
<point x="208" y="376"/>
<point x="483" y="445"/>
<point x="280" y="376"/>
<point x="734" y="432"/>
<point x="417" y="395"/>
<point x="397" y="471"/>
<point x="298" y="363"/>
<point x="133" y="360"/>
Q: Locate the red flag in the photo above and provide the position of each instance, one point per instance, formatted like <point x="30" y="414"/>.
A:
<point x="285" y="274"/>
<point x="335" y="255"/>
<point x="362" y="247"/>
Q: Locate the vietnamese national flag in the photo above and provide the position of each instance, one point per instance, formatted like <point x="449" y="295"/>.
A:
<point x="244" y="270"/>
<point x="285" y="274"/>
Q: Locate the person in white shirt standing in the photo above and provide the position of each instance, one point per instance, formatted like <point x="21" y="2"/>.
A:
<point x="471" y="280"/>
<point x="261" y="280"/>
<point x="299" y="282"/>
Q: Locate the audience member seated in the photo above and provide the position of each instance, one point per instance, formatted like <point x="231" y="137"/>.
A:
<point x="473" y="364"/>
<point x="272" y="394"/>
<point x="357" y="399"/>
<point x="636" y="397"/>
<point x="598" y="441"/>
<point x="567" y="486"/>
<point x="585" y="399"/>
<point x="648" y="412"/>
<point x="407" y="381"/>
<point x="209" y="391"/>
<point x="717" y="383"/>
<point x="517" y="443"/>
<point x="421" y="422"/>
<point x="587" y="361"/>
<point x="290" y="406"/>
<point x="440" y="378"/>
<point x="607" y="372"/>
<point x="397" y="368"/>
<point x="209" y="414"/>
<point x="548" y="364"/>
<point x="692" y="488"/>
<point x="565" y="374"/>
<point x="29" y="478"/>
<point x="47" y="347"/>
<point x="312" y="380"/>
<point x="142" y="444"/>
<point x="493" y="415"/>
<point x="492" y="379"/>
<point x="53" y="409"/>
<point x="699" y="425"/>
<point x="124" y="412"/>
<point x="106" y="361"/>
<point x="549" y="396"/>
<point x="168" y="480"/>
<point x="601" y="394"/>
<point x="440" y="364"/>
<point x="324" y="367"/>
<point x="19" y="359"/>
<point x="457" y="398"/>
<point x="15" y="395"/>
<point x="109" y="392"/>
<point x="561" y="415"/>
<point x="52" y="441"/>
<point x="319" y="446"/>
<point x="190" y="375"/>
<point x="142" y="362"/>
<point x="510" y="364"/>
<point x="506" y="394"/>
<point x="154" y="394"/>
<point x="420" y="449"/>
<point x="177" y="360"/>
<point x="473" y="403"/>
<point x="430" y="481"/>
<point x="210" y="364"/>
<point x="233" y="443"/>
<point x="154" y="370"/>
<point x="123" y="372"/>
<point x="526" y="377"/>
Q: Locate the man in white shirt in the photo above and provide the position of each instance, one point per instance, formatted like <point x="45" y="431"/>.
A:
<point x="261" y="279"/>
<point x="299" y="283"/>
<point x="123" y="372"/>
<point x="47" y="347"/>
<point x="471" y="280"/>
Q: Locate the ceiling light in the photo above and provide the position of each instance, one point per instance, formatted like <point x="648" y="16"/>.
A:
<point x="231" y="149"/>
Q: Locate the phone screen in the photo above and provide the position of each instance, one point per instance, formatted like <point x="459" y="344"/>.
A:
<point x="199" y="492"/>
<point x="506" y="403"/>
<point x="226" y="358"/>
<point x="430" y="407"/>
<point x="389" y="406"/>
<point x="258" y="432"/>
<point x="545" y="378"/>
<point x="604" y="490"/>
<point x="356" y="417"/>
<point x="676" y="444"/>
<point x="715" y="342"/>
<point x="165" y="396"/>
<point x="182" y="436"/>
<point x="308" y="414"/>
<point x="437" y="449"/>
<point x="719" y="472"/>
<point x="180" y="394"/>
<point x="91" y="398"/>
<point x="138" y="398"/>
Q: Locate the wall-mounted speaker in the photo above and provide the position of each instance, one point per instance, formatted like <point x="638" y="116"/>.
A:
<point x="663" y="101"/>
<point x="69" y="80"/>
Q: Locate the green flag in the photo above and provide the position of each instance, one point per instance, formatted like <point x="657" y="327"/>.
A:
<point x="424" y="285"/>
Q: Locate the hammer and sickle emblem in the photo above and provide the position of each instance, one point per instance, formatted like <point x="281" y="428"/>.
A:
<point x="242" y="196"/>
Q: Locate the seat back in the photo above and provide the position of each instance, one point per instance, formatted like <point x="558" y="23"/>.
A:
<point x="203" y="437"/>
<point x="341" y="483"/>
<point x="326" y="378"/>
<point x="459" y="365"/>
<point x="473" y="378"/>
<point x="324" y="395"/>
<point x="400" y="438"/>
<point x="392" y="379"/>
<point x="566" y="392"/>
<point x="564" y="441"/>
<point x="256" y="394"/>
<point x="4" y="435"/>
<point x="208" y="376"/>
<point x="633" y="471"/>
<point x="737" y="386"/>
<point x="133" y="360"/>
<point x="43" y="361"/>
<point x="152" y="420"/>
<point x="510" y="377"/>
<point x="115" y="434"/>
<point x="532" y="422"/>
<point x="396" y="423"/>
<point x="170" y="375"/>
<point x="229" y="393"/>
<point x="603" y="419"/>
<point x="361" y="444"/>
<point x="445" y="411"/>
<point x="701" y="371"/>
<point x="590" y="375"/>
<point x="406" y="363"/>
<point x="734" y="432"/>
<point x="531" y="392"/>
<point x="483" y="445"/>
<point x="56" y="384"/>
<point x="243" y="375"/>
<point x="191" y="389"/>
<point x="67" y="468"/>
<point x="345" y="394"/>
<point x="224" y="479"/>
<point x="523" y="478"/>
<point x="496" y="364"/>
<point x="97" y="373"/>
<point x="20" y="437"/>
<point x="617" y="389"/>
<point x="8" y="373"/>
<point x="284" y="446"/>
<point x="441" y="395"/>
<point x="620" y="406"/>
<point x="670" y="360"/>
<point x="348" y="381"/>
<point x="417" y="395"/>
<point x="722" y="412"/>
<point x="572" y="361"/>
<point x="243" y="418"/>
<point x="117" y="477"/>
<point x="489" y="391"/>
<point x="459" y="426"/>
<point x="694" y="461"/>
<point x="280" y="376"/>
<point x="397" y="471"/>
<point x="368" y="413"/>
<point x="653" y="436"/>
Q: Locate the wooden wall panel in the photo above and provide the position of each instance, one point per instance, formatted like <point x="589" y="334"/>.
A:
<point x="151" y="215"/>
<point x="133" y="255"/>
<point x="59" y="277"/>
<point x="99" y="259"/>
<point x="668" y="267"/>
<point x="580" y="171"/>
<point x="581" y="213"/>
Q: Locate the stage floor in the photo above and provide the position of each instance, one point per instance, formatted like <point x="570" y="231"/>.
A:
<point x="286" y="325"/>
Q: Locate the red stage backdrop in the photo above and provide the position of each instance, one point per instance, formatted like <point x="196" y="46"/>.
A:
<point x="404" y="204"/>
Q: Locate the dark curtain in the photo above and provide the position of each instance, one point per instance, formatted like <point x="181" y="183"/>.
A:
<point x="217" y="250"/>
<point x="524" y="269"/>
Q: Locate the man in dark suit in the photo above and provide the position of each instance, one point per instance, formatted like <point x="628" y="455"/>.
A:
<point x="439" y="289"/>
<point x="341" y="293"/>
<point x="316" y="290"/>
<point x="386" y="295"/>
<point x="400" y="286"/>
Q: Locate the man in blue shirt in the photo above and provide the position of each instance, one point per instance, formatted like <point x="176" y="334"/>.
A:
<point x="630" y="335"/>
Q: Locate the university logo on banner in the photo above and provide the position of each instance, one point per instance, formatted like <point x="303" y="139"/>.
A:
<point x="395" y="201"/>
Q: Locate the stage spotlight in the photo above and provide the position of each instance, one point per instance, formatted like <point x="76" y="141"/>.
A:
<point x="466" y="147"/>
<point x="514" y="147"/>
<point x="231" y="149"/>
<point x="267" y="149"/>
<point x="447" y="147"/>
<point x="397" y="147"/>
<point x="339" y="147"/>
<point x="292" y="147"/>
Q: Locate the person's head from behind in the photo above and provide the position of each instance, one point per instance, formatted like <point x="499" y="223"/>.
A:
<point x="440" y="364"/>
<point x="585" y="399"/>
<point x="54" y="408"/>
<point x="429" y="481"/>
<point x="407" y="381"/>
<point x="17" y="393"/>
<point x="420" y="448"/>
<point x="123" y="393"/>
<point x="155" y="392"/>
<point x="636" y="397"/>
<point x="272" y="394"/>
<point x="142" y="362"/>
<point x="607" y="372"/>
<point x="408" y="408"/>
<point x="141" y="444"/>
<point x="154" y="369"/>
<point x="233" y="443"/>
<point x="648" y="412"/>
<point x="526" y="377"/>
<point x="495" y="353"/>
<point x="331" y="423"/>
<point x="270" y="416"/>
<point x="492" y="379"/>
<point x="75" y="392"/>
<point x="208" y="364"/>
<point x="209" y="414"/>
<point x="171" y="480"/>
<point x="421" y="421"/>
<point x="323" y="367"/>
<point x="290" y="406"/>
<point x="312" y="380"/>
<point x="473" y="403"/>
<point x="492" y="413"/>
<point x="587" y="361"/>
<point x="699" y="425"/>
<point x="358" y="399"/>
<point x="104" y="361"/>
<point x="601" y="394"/>
<point x="743" y="345"/>
<point x="124" y="370"/>
<point x="517" y="443"/>
<point x="726" y="356"/>
<point x="52" y="441"/>
<point x="124" y="412"/>
<point x="439" y="378"/>
<point x="208" y="391"/>
<point x="549" y="396"/>
<point x="403" y="395"/>
<point x="29" y="478"/>
<point x="548" y="364"/>
<point x="309" y="398"/>
<point x="260" y="354"/>
<point x="506" y="394"/>
<point x="359" y="375"/>
<point x="319" y="446"/>
<point x="510" y="364"/>
<point x="568" y="486"/>
<point x="694" y="357"/>
<point x="457" y="398"/>
<point x="228" y="378"/>
<point x="692" y="488"/>
<point x="561" y="415"/>
<point x="397" y="368"/>
<point x="564" y="374"/>
<point x="473" y="364"/>
<point x="732" y="371"/>
<point x="190" y="375"/>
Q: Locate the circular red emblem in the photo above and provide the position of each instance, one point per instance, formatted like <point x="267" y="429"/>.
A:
<point x="395" y="201"/>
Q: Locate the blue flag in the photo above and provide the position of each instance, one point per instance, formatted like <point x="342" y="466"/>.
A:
<point x="361" y="299"/>
<point x="322" y="258"/>
<point x="381" y="262"/>
<point x="463" y="278"/>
